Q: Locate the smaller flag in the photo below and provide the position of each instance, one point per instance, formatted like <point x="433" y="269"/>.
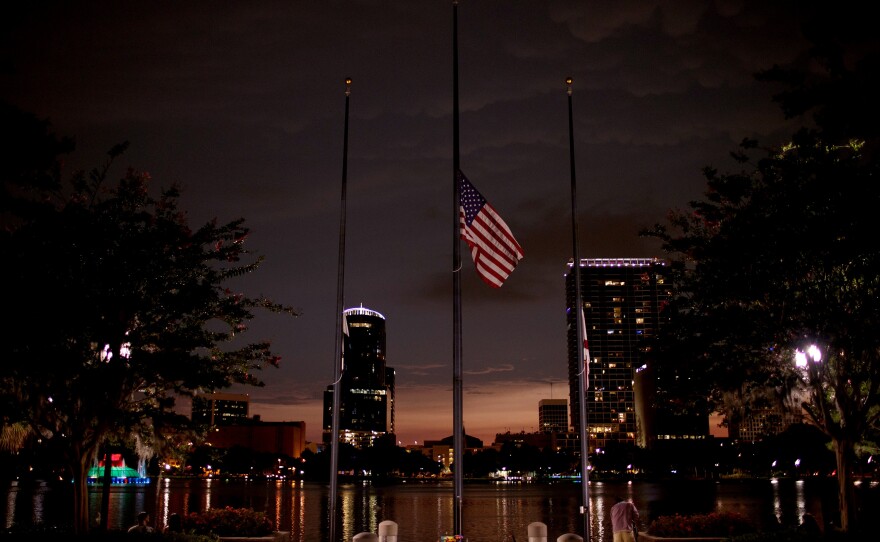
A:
<point x="344" y="332"/>
<point x="586" y="350"/>
<point x="496" y="253"/>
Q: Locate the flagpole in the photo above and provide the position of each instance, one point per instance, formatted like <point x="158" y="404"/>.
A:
<point x="337" y="357"/>
<point x="457" y="393"/>
<point x="581" y="333"/>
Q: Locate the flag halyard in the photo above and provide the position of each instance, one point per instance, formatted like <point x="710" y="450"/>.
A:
<point x="494" y="249"/>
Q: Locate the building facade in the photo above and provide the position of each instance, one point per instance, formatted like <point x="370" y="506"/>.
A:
<point x="285" y="438"/>
<point x="218" y="409"/>
<point x="553" y="415"/>
<point x="366" y="410"/>
<point x="558" y="441"/>
<point x="622" y="302"/>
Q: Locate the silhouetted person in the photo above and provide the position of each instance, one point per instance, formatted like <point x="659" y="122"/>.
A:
<point x="175" y="525"/>
<point x="771" y="522"/>
<point x="624" y="520"/>
<point x="143" y="524"/>
<point x="809" y="525"/>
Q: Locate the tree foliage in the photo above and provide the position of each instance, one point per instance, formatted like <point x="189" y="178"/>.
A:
<point x="117" y="307"/>
<point x="783" y="253"/>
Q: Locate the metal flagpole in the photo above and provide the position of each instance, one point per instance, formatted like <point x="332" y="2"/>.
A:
<point x="457" y="403"/>
<point x="337" y="356"/>
<point x="581" y="334"/>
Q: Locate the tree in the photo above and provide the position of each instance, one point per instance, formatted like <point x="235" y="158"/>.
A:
<point x="783" y="254"/>
<point x="482" y="463"/>
<point x="117" y="306"/>
<point x="777" y="257"/>
<point x="835" y="84"/>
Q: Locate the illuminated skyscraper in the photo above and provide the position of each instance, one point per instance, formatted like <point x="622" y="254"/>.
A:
<point x="218" y="409"/>
<point x="366" y="403"/>
<point x="622" y="300"/>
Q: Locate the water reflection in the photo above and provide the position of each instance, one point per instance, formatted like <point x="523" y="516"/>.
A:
<point x="777" y="502"/>
<point x="347" y="511"/>
<point x="423" y="511"/>
<point x="207" y="503"/>
<point x="33" y="502"/>
<point x="37" y="506"/>
<point x="164" y="494"/>
<point x="597" y="512"/>
<point x="11" y="497"/>
<point x="799" y="499"/>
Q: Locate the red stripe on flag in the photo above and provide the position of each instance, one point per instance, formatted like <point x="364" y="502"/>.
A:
<point x="495" y="251"/>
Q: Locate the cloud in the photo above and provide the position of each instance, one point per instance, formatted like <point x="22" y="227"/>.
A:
<point x="429" y="369"/>
<point x="244" y="105"/>
<point x="491" y="370"/>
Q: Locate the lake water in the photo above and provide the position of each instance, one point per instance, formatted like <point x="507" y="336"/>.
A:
<point x="492" y="512"/>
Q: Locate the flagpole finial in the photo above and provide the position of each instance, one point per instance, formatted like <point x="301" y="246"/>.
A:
<point x="569" y="81"/>
<point x="348" y="86"/>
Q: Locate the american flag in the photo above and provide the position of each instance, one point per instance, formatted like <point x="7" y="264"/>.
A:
<point x="493" y="247"/>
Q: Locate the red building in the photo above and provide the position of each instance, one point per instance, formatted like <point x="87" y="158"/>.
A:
<point x="288" y="438"/>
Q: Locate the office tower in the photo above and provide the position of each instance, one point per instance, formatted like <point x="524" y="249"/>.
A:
<point x="220" y="408"/>
<point x="390" y="383"/>
<point x="553" y="415"/>
<point x="622" y="299"/>
<point x="366" y="402"/>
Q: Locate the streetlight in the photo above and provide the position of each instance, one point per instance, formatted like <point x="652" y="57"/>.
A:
<point x="802" y="358"/>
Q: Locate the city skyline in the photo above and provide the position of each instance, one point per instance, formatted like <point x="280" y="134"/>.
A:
<point x="243" y="105"/>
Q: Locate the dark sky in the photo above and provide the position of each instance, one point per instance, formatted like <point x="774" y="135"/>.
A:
<point x="243" y="103"/>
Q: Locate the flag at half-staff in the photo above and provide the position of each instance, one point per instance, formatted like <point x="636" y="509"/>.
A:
<point x="493" y="247"/>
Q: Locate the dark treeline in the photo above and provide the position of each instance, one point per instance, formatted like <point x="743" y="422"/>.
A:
<point x="800" y="451"/>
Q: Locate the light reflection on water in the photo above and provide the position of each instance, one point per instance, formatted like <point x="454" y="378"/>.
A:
<point x="777" y="502"/>
<point x="423" y="511"/>
<point x="597" y="510"/>
<point x="801" y="502"/>
<point x="11" y="497"/>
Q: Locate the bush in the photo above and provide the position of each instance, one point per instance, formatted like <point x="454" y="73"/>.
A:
<point x="228" y="522"/>
<point x="186" y="537"/>
<point x="797" y="534"/>
<point x="791" y="534"/>
<point x="54" y="534"/>
<point x="720" y="524"/>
